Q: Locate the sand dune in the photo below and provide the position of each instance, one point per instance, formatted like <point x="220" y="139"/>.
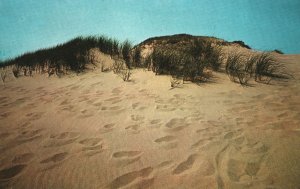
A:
<point x="96" y="131"/>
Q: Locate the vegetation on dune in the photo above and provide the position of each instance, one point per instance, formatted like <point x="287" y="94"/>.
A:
<point x="268" y="68"/>
<point x="263" y="67"/>
<point x="184" y="57"/>
<point x="278" y="51"/>
<point x="72" y="55"/>
<point x="126" y="50"/>
<point x="187" y="63"/>
<point x="242" y="44"/>
<point x="137" y="58"/>
<point x="236" y="69"/>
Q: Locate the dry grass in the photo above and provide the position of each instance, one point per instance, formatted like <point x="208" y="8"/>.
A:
<point x="262" y="67"/>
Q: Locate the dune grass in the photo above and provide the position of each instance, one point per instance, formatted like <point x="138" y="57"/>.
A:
<point x="236" y="68"/>
<point x="268" y="68"/>
<point x="72" y="55"/>
<point x="263" y="67"/>
<point x="187" y="63"/>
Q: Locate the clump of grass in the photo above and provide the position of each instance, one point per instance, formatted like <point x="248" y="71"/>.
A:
<point x="262" y="67"/>
<point x="175" y="82"/>
<point x="126" y="74"/>
<point x="236" y="69"/>
<point x="16" y="72"/>
<point x="126" y="48"/>
<point x="268" y="68"/>
<point x="137" y="59"/>
<point x="3" y="75"/>
<point x="187" y="62"/>
<point x="120" y="68"/>
<point x="216" y="58"/>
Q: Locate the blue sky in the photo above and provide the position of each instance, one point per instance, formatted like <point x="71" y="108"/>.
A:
<point x="27" y="25"/>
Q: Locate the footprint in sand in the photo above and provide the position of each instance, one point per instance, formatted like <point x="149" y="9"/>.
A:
<point x="98" y="83"/>
<point x="69" y="108"/>
<point x="165" y="108"/>
<point x="125" y="158"/>
<point x="62" y="139"/>
<point x="22" y="158"/>
<point x="134" y="127"/>
<point x="135" y="105"/>
<point x="130" y="177"/>
<point x="3" y="99"/>
<point x="137" y="118"/>
<point x="241" y="170"/>
<point x="126" y="154"/>
<point x="11" y="172"/>
<point x="144" y="183"/>
<point x="35" y="115"/>
<point x="92" y="146"/>
<point x="235" y="169"/>
<point x="55" y="158"/>
<point x="29" y="135"/>
<point x="229" y="135"/>
<point x="75" y="87"/>
<point x="5" y="114"/>
<point x="164" y="164"/>
<point x="113" y="108"/>
<point x="109" y="126"/>
<point x="97" y="104"/>
<point x="185" y="165"/>
<point x="155" y="121"/>
<point x="112" y="99"/>
<point x="18" y="102"/>
<point x="116" y="91"/>
<point x="165" y="139"/>
<point x="90" y="141"/>
<point x="256" y="147"/>
<point x="85" y="113"/>
<point x="177" y="124"/>
<point x="252" y="168"/>
<point x="4" y="135"/>
<point x="206" y="168"/>
<point x="202" y="142"/>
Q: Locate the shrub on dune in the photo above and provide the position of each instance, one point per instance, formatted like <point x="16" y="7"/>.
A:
<point x="235" y="68"/>
<point x="72" y="55"/>
<point x="262" y="67"/>
<point x="126" y="48"/>
<point x="268" y="68"/>
<point x="278" y="51"/>
<point x="215" y="58"/>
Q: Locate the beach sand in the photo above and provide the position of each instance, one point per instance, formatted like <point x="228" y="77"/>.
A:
<point x="96" y="131"/>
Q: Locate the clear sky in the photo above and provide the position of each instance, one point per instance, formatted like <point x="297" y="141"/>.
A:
<point x="27" y="25"/>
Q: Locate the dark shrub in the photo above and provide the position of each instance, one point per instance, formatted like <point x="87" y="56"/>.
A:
<point x="267" y="68"/>
<point x="278" y="51"/>
<point x="242" y="44"/>
<point x="235" y="68"/>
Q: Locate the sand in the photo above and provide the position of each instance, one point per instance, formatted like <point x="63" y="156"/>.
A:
<point x="97" y="131"/>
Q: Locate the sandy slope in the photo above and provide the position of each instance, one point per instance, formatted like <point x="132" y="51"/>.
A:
<point x="96" y="131"/>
